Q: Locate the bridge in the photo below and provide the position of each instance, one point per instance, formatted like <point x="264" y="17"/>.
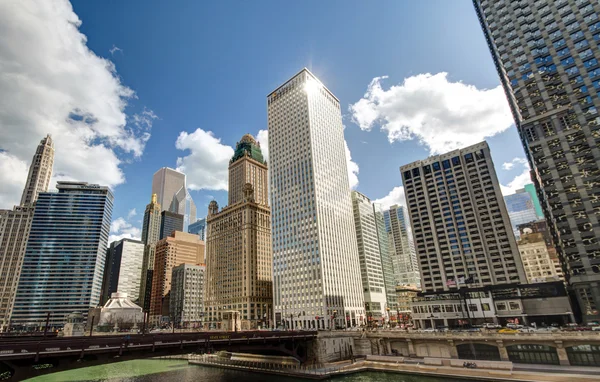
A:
<point x="25" y="357"/>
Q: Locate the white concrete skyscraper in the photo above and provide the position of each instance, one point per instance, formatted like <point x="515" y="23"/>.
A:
<point x="40" y="171"/>
<point x="315" y="257"/>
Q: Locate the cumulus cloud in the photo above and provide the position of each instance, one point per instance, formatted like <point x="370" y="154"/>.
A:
<point x="51" y="82"/>
<point x="516" y="161"/>
<point x="353" y="168"/>
<point x="440" y="114"/>
<point x="263" y="138"/>
<point x="115" y="49"/>
<point x="396" y="196"/>
<point x="206" y="162"/>
<point x="132" y="212"/>
<point x="517" y="183"/>
<point x="122" y="229"/>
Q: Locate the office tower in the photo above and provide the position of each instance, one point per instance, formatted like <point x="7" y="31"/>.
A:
<point x="15" y="225"/>
<point x="123" y="269"/>
<point x="66" y="251"/>
<point x="186" y="304"/>
<point x="198" y="228"/>
<point x="403" y="254"/>
<point x="548" y="58"/>
<point x="239" y="263"/>
<point x="170" y="222"/>
<point x="460" y="222"/>
<point x="178" y="248"/>
<point x="315" y="256"/>
<point x="530" y="189"/>
<point x="520" y="209"/>
<point x="541" y="227"/>
<point x="170" y="187"/>
<point x="371" y="269"/>
<point x="40" y="171"/>
<point x="386" y="251"/>
<point x="150" y="236"/>
<point x="538" y="264"/>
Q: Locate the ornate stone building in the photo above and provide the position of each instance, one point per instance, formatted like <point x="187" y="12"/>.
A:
<point x="239" y="261"/>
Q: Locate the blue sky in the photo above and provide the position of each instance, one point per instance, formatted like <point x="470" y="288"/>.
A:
<point x="199" y="65"/>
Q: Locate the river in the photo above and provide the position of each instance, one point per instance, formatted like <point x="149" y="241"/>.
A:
<point x="150" y="370"/>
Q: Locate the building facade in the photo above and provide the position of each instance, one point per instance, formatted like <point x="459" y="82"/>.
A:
<point x="170" y="187"/>
<point x="198" y="228"/>
<point x="537" y="261"/>
<point x="315" y="257"/>
<point x="239" y="263"/>
<point x="15" y="225"/>
<point x="123" y="269"/>
<point x="40" y="171"/>
<point x="548" y="57"/>
<point x="371" y="268"/>
<point x="386" y="251"/>
<point x="460" y="222"/>
<point x="178" y="248"/>
<point x="65" y="255"/>
<point x="150" y="236"/>
<point x="170" y="222"/>
<point x="521" y="209"/>
<point x="404" y="257"/>
<point x="186" y="304"/>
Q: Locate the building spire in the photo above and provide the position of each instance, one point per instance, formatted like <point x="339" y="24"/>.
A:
<point x="40" y="171"/>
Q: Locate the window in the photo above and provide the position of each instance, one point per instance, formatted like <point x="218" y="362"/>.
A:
<point x="446" y="164"/>
<point x="407" y="175"/>
<point x="501" y="306"/>
<point x="514" y="305"/>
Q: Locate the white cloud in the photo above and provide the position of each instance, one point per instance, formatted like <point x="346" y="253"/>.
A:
<point x="352" y="168"/>
<point x="51" y="82"/>
<point x="442" y="115"/>
<point x="515" y="161"/>
<point x="115" y="49"/>
<point x="517" y="183"/>
<point x="263" y="138"/>
<point x="396" y="196"/>
<point x="132" y="212"/>
<point x="121" y="229"/>
<point x="207" y="161"/>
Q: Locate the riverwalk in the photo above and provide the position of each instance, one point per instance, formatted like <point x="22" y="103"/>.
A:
<point x="398" y="365"/>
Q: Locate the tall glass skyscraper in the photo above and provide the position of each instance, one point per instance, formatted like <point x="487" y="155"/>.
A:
<point x="547" y="53"/>
<point x="402" y="247"/>
<point x="520" y="209"/>
<point x="315" y="257"/>
<point x="65" y="255"/>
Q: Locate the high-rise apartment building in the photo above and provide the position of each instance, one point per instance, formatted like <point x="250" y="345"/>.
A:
<point x="520" y="209"/>
<point x="460" y="222"/>
<point x="170" y="222"/>
<point x="178" y="248"/>
<point x="40" y="171"/>
<point x="123" y="269"/>
<point x="315" y="256"/>
<point x="371" y="268"/>
<point x="186" y="304"/>
<point x="198" y="228"/>
<point x="15" y="225"/>
<point x="547" y="54"/>
<point x="403" y="254"/>
<point x="150" y="236"/>
<point x="66" y="251"/>
<point x="538" y="264"/>
<point x="239" y="263"/>
<point x="170" y="187"/>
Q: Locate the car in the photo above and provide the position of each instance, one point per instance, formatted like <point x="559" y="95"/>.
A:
<point x="514" y="326"/>
<point x="492" y="326"/>
<point x="508" y="331"/>
<point x="526" y="329"/>
<point x="596" y="328"/>
<point x="428" y="330"/>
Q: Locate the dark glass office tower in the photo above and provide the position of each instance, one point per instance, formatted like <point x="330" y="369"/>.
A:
<point x="65" y="255"/>
<point x="547" y="54"/>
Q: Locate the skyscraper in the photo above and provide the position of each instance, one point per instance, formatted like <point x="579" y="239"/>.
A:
<point x="169" y="222"/>
<point x="40" y="171"/>
<point x="66" y="251"/>
<point x="150" y="235"/>
<point x="186" y="303"/>
<point x="178" y="248"/>
<point x="548" y="58"/>
<point x="15" y="225"/>
<point x="520" y="209"/>
<point x="123" y="269"/>
<point x="404" y="257"/>
<point x="530" y="189"/>
<point x="315" y="256"/>
<point x="170" y="187"/>
<point x="239" y="262"/>
<point x="371" y="268"/>
<point x="459" y="221"/>
<point x="386" y="251"/>
<point x="198" y="228"/>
